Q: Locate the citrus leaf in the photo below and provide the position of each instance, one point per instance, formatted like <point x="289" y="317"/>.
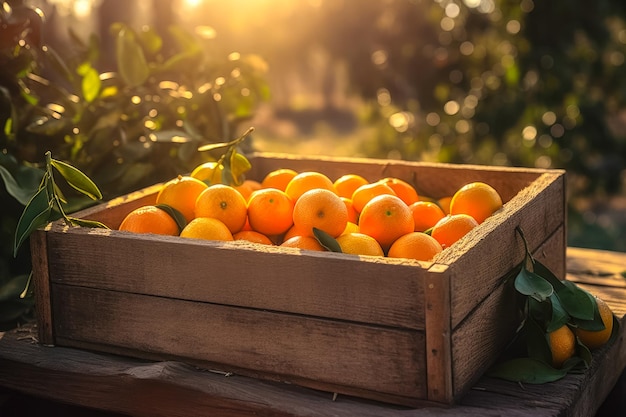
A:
<point x="583" y="353"/>
<point x="537" y="344"/>
<point x="543" y="271"/>
<point x="559" y="315"/>
<point x="531" y="284"/>
<point x="527" y="370"/>
<point x="13" y="288"/>
<point x="35" y="215"/>
<point x="239" y="165"/>
<point x="595" y="324"/>
<point x="91" y="84"/>
<point x="76" y="221"/>
<point x="326" y="240"/>
<point x="21" y="193"/>
<point x="77" y="180"/>
<point x="131" y="60"/>
<point x="576" y="301"/>
<point x="178" y="217"/>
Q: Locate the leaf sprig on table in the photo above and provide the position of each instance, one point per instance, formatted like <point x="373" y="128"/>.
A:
<point x="548" y="303"/>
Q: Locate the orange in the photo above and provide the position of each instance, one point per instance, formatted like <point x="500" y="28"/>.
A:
<point x="353" y="216"/>
<point x="350" y="228"/>
<point x="208" y="172"/>
<point x="562" y="345"/>
<point x="252" y="236"/>
<point x="322" y="209"/>
<point x="293" y="231"/>
<point x="247" y="187"/>
<point x="279" y="178"/>
<point x="347" y="184"/>
<point x="366" y="192"/>
<point x="181" y="193"/>
<point x="386" y="218"/>
<point x="149" y="219"/>
<point x="403" y="189"/>
<point x="415" y="245"/>
<point x="306" y="181"/>
<point x="596" y="339"/>
<point x="425" y="215"/>
<point x="444" y="203"/>
<point x="270" y="211"/>
<point x="206" y="228"/>
<point x="359" y="244"/>
<point x="224" y="203"/>
<point x="452" y="227"/>
<point x="303" y="242"/>
<point x="477" y="199"/>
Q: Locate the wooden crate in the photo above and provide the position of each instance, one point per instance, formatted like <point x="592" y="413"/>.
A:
<point x="399" y="331"/>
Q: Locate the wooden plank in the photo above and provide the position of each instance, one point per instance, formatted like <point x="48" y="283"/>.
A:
<point x="438" y="335"/>
<point x="287" y="346"/>
<point x="41" y="283"/>
<point x="371" y="290"/>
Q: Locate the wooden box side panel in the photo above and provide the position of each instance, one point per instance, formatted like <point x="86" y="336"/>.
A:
<point x="488" y="252"/>
<point x="272" y="345"/>
<point x="479" y="339"/>
<point x="347" y="287"/>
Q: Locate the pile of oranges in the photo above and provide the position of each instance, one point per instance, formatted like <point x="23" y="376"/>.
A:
<point x="386" y="217"/>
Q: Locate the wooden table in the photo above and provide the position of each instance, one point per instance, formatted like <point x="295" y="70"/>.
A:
<point x="170" y="389"/>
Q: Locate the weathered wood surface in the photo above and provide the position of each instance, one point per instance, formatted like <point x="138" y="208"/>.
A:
<point x="143" y="388"/>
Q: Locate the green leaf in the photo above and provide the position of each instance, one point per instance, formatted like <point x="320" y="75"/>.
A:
<point x="545" y="272"/>
<point x="131" y="60"/>
<point x="14" y="309"/>
<point x="595" y="324"/>
<point x="13" y="288"/>
<point x="531" y="284"/>
<point x="76" y="221"/>
<point x="559" y="315"/>
<point x="239" y="165"/>
<point x="77" y="180"/>
<point x="91" y="85"/>
<point x="36" y="214"/>
<point x="526" y="370"/>
<point x="326" y="240"/>
<point x="24" y="184"/>
<point x="576" y="301"/>
<point x="537" y="345"/>
<point x="178" y="217"/>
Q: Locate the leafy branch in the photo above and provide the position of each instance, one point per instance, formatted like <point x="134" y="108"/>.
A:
<point x="233" y="164"/>
<point x="548" y="304"/>
<point x="47" y="203"/>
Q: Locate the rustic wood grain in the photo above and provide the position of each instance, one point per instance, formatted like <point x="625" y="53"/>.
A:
<point x="240" y="339"/>
<point x="41" y="283"/>
<point x="172" y="389"/>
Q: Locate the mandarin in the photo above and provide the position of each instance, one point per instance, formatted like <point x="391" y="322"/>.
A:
<point x="150" y="219"/>
<point x="452" y="228"/>
<point x="562" y="345"/>
<point x="321" y="209"/>
<point x="224" y="203"/>
<point x="206" y="228"/>
<point x="270" y="211"/>
<point x="596" y="339"/>
<point x="306" y="181"/>
<point x="365" y="193"/>
<point x="359" y="244"/>
<point x="181" y="193"/>
<point x="279" y="178"/>
<point x="303" y="242"/>
<point x="208" y="172"/>
<point x="347" y="184"/>
<point x="386" y="218"/>
<point x="415" y="245"/>
<point x="425" y="215"/>
<point x="403" y="189"/>
<point x="477" y="199"/>
<point x="252" y="236"/>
